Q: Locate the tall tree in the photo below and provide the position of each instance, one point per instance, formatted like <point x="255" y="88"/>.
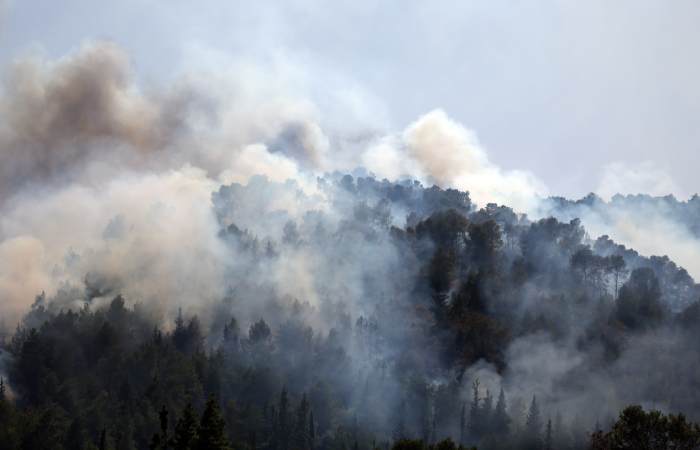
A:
<point x="637" y="429"/>
<point x="501" y="420"/>
<point x="163" y="418"/>
<point x="212" y="428"/>
<point x="301" y="435"/>
<point x="548" y="436"/>
<point x="462" y="423"/>
<point x="283" y="421"/>
<point x="312" y="431"/>
<point x="486" y="413"/>
<point x="475" y="412"/>
<point x="186" y="428"/>
<point x="533" y="426"/>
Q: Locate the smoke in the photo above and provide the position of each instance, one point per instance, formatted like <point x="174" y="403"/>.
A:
<point x="661" y="226"/>
<point x="438" y="150"/>
<point x="83" y="143"/>
<point x="646" y="177"/>
<point x="153" y="235"/>
<point x="58" y="115"/>
<point x="227" y="189"/>
<point x="86" y="113"/>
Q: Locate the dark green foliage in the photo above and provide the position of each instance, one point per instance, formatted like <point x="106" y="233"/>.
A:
<point x="446" y="444"/>
<point x="405" y="444"/>
<point x="186" y="430"/>
<point x="501" y="420"/>
<point x="638" y="305"/>
<point x="637" y="429"/>
<point x="532" y="440"/>
<point x="212" y="429"/>
<point x="259" y="332"/>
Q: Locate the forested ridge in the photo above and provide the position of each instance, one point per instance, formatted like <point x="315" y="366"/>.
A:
<point x="369" y="314"/>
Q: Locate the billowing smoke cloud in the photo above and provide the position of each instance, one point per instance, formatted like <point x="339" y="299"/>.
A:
<point x="59" y="115"/>
<point x="100" y="176"/>
<point x="441" y="151"/>
<point x="140" y="232"/>
<point x="85" y="113"/>
<point x="84" y="145"/>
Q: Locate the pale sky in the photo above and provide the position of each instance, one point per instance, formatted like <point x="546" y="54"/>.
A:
<point x="575" y="92"/>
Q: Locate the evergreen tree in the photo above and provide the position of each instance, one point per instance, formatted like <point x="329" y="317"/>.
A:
<point x="501" y="421"/>
<point x="312" y="431"/>
<point x="301" y="437"/>
<point x="155" y="443"/>
<point x="186" y="430"/>
<point x="103" y="440"/>
<point x="124" y="435"/>
<point x="533" y="426"/>
<point x="637" y="429"/>
<point x="485" y="413"/>
<point x="548" y="437"/>
<point x="283" y="426"/>
<point x="212" y="428"/>
<point x="558" y="435"/>
<point x="462" y="423"/>
<point x="76" y="439"/>
<point x="474" y="413"/>
<point x="163" y="418"/>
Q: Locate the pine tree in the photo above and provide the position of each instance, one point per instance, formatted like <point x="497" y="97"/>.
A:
<point x="533" y="426"/>
<point x="486" y="410"/>
<point x="462" y="423"/>
<point x="103" y="439"/>
<point x="548" y="435"/>
<point x="501" y="421"/>
<point x="558" y="435"/>
<point x="474" y="413"/>
<point x="312" y="431"/>
<point x="124" y="435"/>
<point x="75" y="438"/>
<point x="301" y="440"/>
<point x="272" y="427"/>
<point x="212" y="428"/>
<point x="163" y="417"/>
<point x="186" y="430"/>
<point x="155" y="443"/>
<point x="6" y="411"/>
<point x="282" y="437"/>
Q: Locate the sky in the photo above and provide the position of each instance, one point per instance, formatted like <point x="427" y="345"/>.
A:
<point x="587" y="96"/>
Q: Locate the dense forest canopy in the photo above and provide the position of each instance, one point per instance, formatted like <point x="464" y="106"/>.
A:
<point x="363" y="313"/>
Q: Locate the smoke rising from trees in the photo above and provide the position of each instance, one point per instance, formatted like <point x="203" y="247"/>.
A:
<point x="201" y="200"/>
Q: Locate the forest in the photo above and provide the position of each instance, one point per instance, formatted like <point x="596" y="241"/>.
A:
<point x="368" y="314"/>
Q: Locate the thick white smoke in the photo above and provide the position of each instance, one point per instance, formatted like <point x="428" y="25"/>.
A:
<point x="98" y="173"/>
<point x="646" y="177"/>
<point x="438" y="150"/>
